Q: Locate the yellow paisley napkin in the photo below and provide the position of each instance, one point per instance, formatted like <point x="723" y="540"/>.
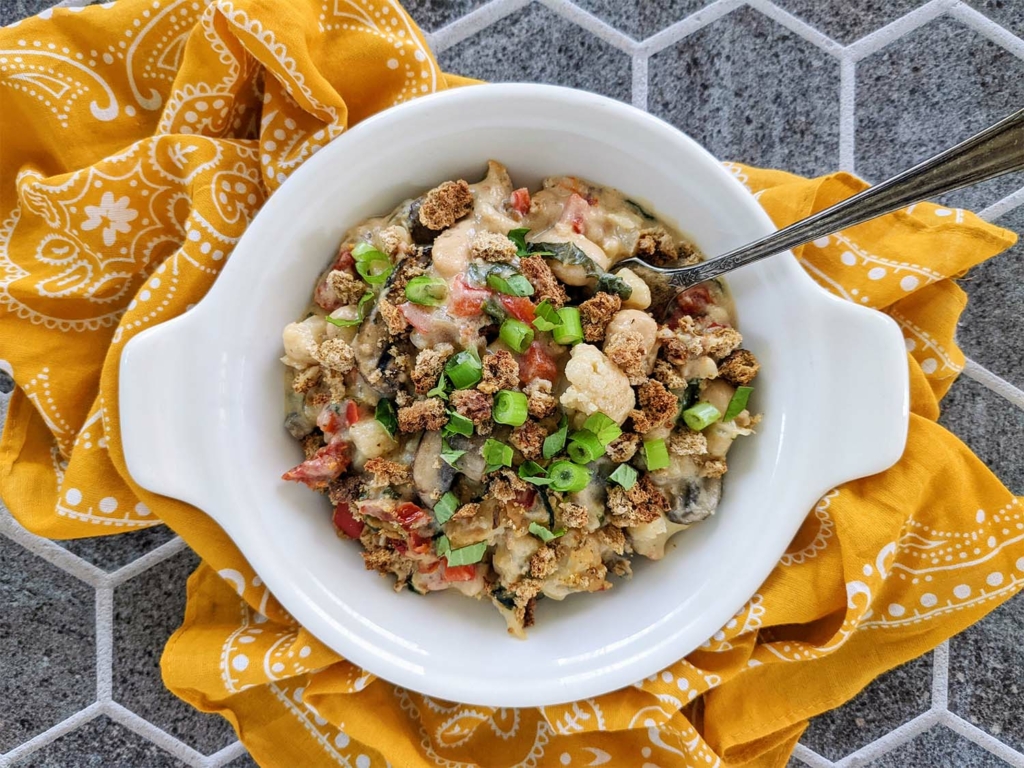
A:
<point x="136" y="143"/>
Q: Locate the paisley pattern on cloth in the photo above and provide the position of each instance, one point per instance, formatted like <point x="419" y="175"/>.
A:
<point x="138" y="141"/>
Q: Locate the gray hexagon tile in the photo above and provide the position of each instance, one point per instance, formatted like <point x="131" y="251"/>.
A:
<point x="850" y="20"/>
<point x="992" y="327"/>
<point x="990" y="426"/>
<point x="641" y="18"/>
<point x="1008" y="13"/>
<point x="6" y="383"/>
<point x="986" y="673"/>
<point x="939" y="748"/>
<point x="537" y="45"/>
<point x="100" y="743"/>
<point x="147" y="609"/>
<point x="928" y="90"/>
<point x="752" y="91"/>
<point x="431" y="15"/>
<point x="895" y="698"/>
<point x="113" y="552"/>
<point x="47" y="644"/>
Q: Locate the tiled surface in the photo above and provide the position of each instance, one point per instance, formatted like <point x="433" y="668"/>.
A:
<point x="755" y="86"/>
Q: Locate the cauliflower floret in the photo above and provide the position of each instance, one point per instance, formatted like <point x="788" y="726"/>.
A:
<point x="302" y="341"/>
<point x="597" y="384"/>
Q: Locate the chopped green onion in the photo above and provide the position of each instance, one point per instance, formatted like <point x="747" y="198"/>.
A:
<point x="449" y="455"/>
<point x="386" y="414"/>
<point x="426" y="290"/>
<point x="375" y="271"/>
<point x="517" y="334"/>
<point x="570" y="329"/>
<point x="494" y="308"/>
<point x="445" y="508"/>
<point x="459" y="425"/>
<point x="701" y="415"/>
<point x="441" y="390"/>
<point x="510" y="408"/>
<point x="546" y="317"/>
<point x="544" y="534"/>
<point x="584" y="447"/>
<point x="474" y="553"/>
<point x="511" y="285"/>
<point x="603" y="427"/>
<point x="534" y="473"/>
<point x="341" y="323"/>
<point x="518" y="236"/>
<point x="690" y="395"/>
<point x="362" y="250"/>
<point x="656" y="453"/>
<point x="555" y="442"/>
<point x="624" y="475"/>
<point x="442" y="546"/>
<point x="496" y="454"/>
<point x="738" y="403"/>
<point x="568" y="477"/>
<point x="464" y="369"/>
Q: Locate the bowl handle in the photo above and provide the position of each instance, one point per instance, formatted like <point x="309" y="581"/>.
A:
<point x="159" y="384"/>
<point x="875" y="377"/>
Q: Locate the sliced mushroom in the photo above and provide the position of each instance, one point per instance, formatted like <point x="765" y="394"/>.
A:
<point x="296" y="422"/>
<point x="698" y="499"/>
<point x="472" y="463"/>
<point x="431" y="474"/>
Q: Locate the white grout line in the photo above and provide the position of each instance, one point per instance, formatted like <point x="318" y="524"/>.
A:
<point x="592" y="24"/>
<point x="104" y="644"/>
<point x="49" y="551"/>
<point x="940" y="677"/>
<point x="641" y="82"/>
<point x="796" y="26"/>
<point x="150" y="732"/>
<point x="808" y="756"/>
<point x="695" y="21"/>
<point x="52" y="734"/>
<point x="890" y="741"/>
<point x="468" y="25"/>
<point x="1004" y="206"/>
<point x="888" y="34"/>
<point x="984" y="740"/>
<point x="847" y="114"/>
<point x="984" y="26"/>
<point x="989" y="380"/>
<point x="225" y="755"/>
<point x="147" y="561"/>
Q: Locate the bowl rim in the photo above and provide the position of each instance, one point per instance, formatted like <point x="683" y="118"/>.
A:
<point x="138" y="365"/>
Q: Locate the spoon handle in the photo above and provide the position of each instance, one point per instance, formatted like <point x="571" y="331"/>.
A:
<point x="993" y="152"/>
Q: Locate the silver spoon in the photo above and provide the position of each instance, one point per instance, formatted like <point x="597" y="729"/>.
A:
<point x="993" y="152"/>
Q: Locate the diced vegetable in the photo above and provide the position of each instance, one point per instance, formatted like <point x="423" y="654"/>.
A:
<point x="537" y="363"/>
<point x="351" y="412"/>
<point x="345" y="522"/>
<point x="445" y="508"/>
<point x="464" y="369"/>
<point x="533" y="473"/>
<point x="429" y="291"/>
<point x="442" y="546"/>
<point x="466" y="301"/>
<point x="624" y="475"/>
<point x="603" y="427"/>
<point x="738" y="403"/>
<point x="409" y="515"/>
<point x="448" y="455"/>
<point x="701" y="416"/>
<point x="544" y="534"/>
<point x="513" y="284"/>
<point x="656" y="453"/>
<point x="517" y="334"/>
<point x="520" y="202"/>
<point x="441" y="390"/>
<point x="520" y="307"/>
<point x="570" y="328"/>
<point x="584" y="447"/>
<point x="496" y="455"/>
<point x="555" y="442"/>
<point x="360" y="313"/>
<point x="474" y="553"/>
<point x="510" y="408"/>
<point x="546" y="317"/>
<point x="386" y="414"/>
<point x="568" y="477"/>
<point x="458" y="424"/>
<point x="459" y="572"/>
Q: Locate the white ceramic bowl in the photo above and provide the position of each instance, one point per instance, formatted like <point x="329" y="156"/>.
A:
<point x="202" y="403"/>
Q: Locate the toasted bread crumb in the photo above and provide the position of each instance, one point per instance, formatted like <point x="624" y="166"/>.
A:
<point x="656" y="246"/>
<point x="429" y="364"/>
<point x="623" y="448"/>
<point x="490" y="246"/>
<point x="712" y="467"/>
<point x="466" y="511"/>
<point x="596" y="313"/>
<point x="306" y="379"/>
<point x="739" y="368"/>
<point x="658" y="407"/>
<point x="543" y="280"/>
<point x="543" y="563"/>
<point x="505" y="486"/>
<point x="445" y="204"/>
<point x="501" y="371"/>
<point x="387" y="473"/>
<point x="394" y="240"/>
<point x="346" y="287"/>
<point x="681" y="344"/>
<point x="335" y="382"/>
<point x="529" y="439"/>
<point x="688" y="443"/>
<point x="423" y="414"/>
<point x="721" y="341"/>
<point x="643" y="503"/>
<point x="393" y="317"/>
<point x="474" y="405"/>
<point x="336" y="355"/>
<point x="574" y="515"/>
<point x="628" y="351"/>
<point x="669" y="375"/>
<point x="541" y="402"/>
<point x="311" y="444"/>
